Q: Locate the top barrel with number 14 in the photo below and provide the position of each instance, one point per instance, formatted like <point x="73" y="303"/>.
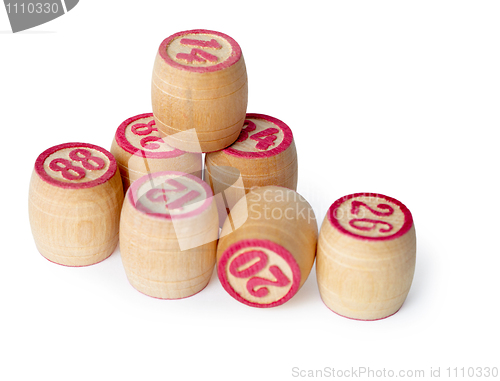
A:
<point x="75" y="199"/>
<point x="199" y="90"/>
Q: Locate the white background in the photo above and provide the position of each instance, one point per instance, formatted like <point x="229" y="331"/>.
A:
<point x="396" y="97"/>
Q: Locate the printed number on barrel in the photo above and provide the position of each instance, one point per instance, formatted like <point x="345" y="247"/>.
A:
<point x="141" y="129"/>
<point x="367" y="224"/>
<point x="72" y="172"/>
<point x="160" y="194"/>
<point x="264" y="138"/>
<point x="198" y="55"/>
<point x="244" y="259"/>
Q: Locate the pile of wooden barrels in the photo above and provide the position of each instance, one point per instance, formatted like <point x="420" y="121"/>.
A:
<point x="199" y="184"/>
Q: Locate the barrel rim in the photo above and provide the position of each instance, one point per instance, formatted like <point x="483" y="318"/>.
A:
<point x="332" y="218"/>
<point x="267" y="244"/>
<point x="123" y="142"/>
<point x="81" y="185"/>
<point x="134" y="187"/>
<point x="233" y="58"/>
<point x="284" y="145"/>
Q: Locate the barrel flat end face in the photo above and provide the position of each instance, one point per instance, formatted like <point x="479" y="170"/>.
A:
<point x="200" y="51"/>
<point x="259" y="273"/>
<point x="170" y="195"/>
<point x="75" y="165"/>
<point x="262" y="136"/>
<point x="139" y="136"/>
<point x="370" y="216"/>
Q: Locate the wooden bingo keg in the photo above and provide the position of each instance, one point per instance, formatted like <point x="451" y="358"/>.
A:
<point x="265" y="261"/>
<point x="139" y="150"/>
<point x="199" y="90"/>
<point x="75" y="199"/>
<point x="366" y="256"/>
<point x="168" y="234"/>
<point x="264" y="154"/>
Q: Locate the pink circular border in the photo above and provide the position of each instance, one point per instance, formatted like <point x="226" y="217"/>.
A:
<point x="233" y="58"/>
<point x="287" y="140"/>
<point x="132" y="194"/>
<point x="48" y="179"/>
<point x="336" y="224"/>
<point x="278" y="249"/>
<point x="122" y="141"/>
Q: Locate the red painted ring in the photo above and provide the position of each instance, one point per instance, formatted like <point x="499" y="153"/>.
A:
<point x="287" y="140"/>
<point x="122" y="141"/>
<point x="132" y="194"/>
<point x="89" y="184"/>
<point x="278" y="249"/>
<point x="233" y="58"/>
<point x="332" y="218"/>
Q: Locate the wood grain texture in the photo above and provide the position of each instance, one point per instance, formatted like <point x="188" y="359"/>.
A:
<point x="264" y="154"/>
<point x="75" y="199"/>
<point x="199" y="83"/>
<point x="366" y="256"/>
<point x="139" y="150"/>
<point x="268" y="257"/>
<point x="168" y="235"/>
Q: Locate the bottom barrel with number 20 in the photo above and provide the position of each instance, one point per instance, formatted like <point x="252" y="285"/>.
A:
<point x="268" y="258"/>
<point x="168" y="234"/>
<point x="75" y="199"/>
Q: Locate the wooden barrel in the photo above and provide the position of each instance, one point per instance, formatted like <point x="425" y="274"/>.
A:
<point x="75" y="199"/>
<point x="168" y="234"/>
<point x="366" y="256"/>
<point x="265" y="261"/>
<point x="264" y="154"/>
<point x="199" y="90"/>
<point x="139" y="150"/>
